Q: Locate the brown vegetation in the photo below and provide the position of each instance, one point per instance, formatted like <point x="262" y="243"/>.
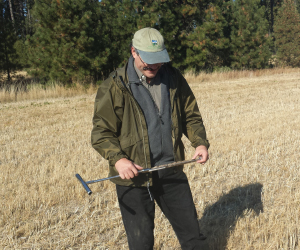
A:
<point x="247" y="195"/>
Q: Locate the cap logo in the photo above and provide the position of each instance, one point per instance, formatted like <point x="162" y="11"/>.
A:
<point x="154" y="42"/>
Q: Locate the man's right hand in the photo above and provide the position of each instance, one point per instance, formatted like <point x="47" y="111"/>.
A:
<point x="127" y="169"/>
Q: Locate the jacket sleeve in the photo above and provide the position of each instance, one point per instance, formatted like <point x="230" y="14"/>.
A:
<point x="192" y="123"/>
<point x="107" y="119"/>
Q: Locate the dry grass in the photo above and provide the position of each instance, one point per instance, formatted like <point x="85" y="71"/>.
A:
<point x="247" y="195"/>
<point x="37" y="91"/>
<point x="14" y="75"/>
<point x="235" y="74"/>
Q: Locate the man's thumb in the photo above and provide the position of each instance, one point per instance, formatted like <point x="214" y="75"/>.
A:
<point x="138" y="167"/>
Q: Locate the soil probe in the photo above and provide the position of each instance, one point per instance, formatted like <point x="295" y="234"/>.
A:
<point x="170" y="165"/>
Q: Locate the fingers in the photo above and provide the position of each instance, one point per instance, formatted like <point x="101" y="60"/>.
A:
<point x="203" y="159"/>
<point x="128" y="172"/>
<point x="131" y="171"/>
<point x="138" y="167"/>
<point x="202" y="153"/>
<point x="196" y="156"/>
<point x="127" y="169"/>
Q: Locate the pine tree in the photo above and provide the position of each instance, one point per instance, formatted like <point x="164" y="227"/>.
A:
<point x="206" y="43"/>
<point x="250" y="41"/>
<point x="15" y="24"/>
<point x="63" y="45"/>
<point x="8" y="55"/>
<point x="167" y="17"/>
<point x="175" y="20"/>
<point x="298" y="5"/>
<point x="271" y="7"/>
<point x="118" y="24"/>
<point x="287" y="34"/>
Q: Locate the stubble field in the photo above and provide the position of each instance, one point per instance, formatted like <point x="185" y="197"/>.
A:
<point x="247" y="196"/>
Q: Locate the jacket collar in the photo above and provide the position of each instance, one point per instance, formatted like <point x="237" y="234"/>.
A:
<point x="132" y="75"/>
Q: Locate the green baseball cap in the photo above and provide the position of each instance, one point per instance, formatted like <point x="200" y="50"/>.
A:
<point x="149" y="43"/>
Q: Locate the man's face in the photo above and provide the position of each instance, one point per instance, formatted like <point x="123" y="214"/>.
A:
<point x="148" y="70"/>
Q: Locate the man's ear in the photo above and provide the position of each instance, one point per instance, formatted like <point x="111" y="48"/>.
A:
<point x="134" y="54"/>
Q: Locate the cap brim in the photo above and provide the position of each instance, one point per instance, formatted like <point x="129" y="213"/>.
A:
<point x="154" y="57"/>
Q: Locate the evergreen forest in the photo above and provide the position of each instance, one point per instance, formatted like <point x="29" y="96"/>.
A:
<point x="84" y="40"/>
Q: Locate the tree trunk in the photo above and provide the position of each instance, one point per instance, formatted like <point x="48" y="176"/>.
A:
<point x="7" y="61"/>
<point x="21" y="13"/>
<point x="29" y="21"/>
<point x="11" y="12"/>
<point x="272" y="16"/>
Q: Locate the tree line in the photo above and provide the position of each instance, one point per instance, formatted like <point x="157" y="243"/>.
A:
<point x="68" y="40"/>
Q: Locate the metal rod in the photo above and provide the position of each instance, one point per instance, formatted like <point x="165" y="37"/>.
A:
<point x="170" y="165"/>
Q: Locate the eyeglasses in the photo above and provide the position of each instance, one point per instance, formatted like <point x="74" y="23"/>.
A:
<point x="138" y="54"/>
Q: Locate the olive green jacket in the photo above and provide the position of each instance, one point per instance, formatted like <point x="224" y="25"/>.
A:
<point x="120" y="130"/>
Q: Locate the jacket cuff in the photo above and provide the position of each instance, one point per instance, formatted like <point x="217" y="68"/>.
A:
<point x="201" y="143"/>
<point x="116" y="157"/>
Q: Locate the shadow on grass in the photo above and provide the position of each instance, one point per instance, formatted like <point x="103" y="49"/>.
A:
<point x="220" y="218"/>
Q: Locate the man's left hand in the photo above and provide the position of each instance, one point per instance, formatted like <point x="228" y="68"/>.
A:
<point x="201" y="151"/>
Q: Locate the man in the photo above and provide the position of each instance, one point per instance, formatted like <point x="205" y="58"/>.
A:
<point x="141" y="112"/>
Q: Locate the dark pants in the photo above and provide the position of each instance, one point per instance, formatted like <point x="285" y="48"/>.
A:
<point x="173" y="196"/>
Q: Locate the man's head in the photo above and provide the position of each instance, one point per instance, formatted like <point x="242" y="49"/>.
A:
<point x="149" y="51"/>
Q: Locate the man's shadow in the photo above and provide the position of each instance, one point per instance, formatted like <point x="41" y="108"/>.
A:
<point x="220" y="218"/>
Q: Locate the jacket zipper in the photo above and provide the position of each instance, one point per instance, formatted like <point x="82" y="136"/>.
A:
<point x="162" y="122"/>
<point x="173" y="130"/>
<point x="139" y="114"/>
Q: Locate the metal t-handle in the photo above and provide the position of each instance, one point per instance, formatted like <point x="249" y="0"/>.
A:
<point x="146" y="170"/>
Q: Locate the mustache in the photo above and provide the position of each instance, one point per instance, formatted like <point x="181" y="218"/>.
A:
<point x="151" y="69"/>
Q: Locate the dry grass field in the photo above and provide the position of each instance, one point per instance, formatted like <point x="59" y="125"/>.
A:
<point x="247" y="195"/>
